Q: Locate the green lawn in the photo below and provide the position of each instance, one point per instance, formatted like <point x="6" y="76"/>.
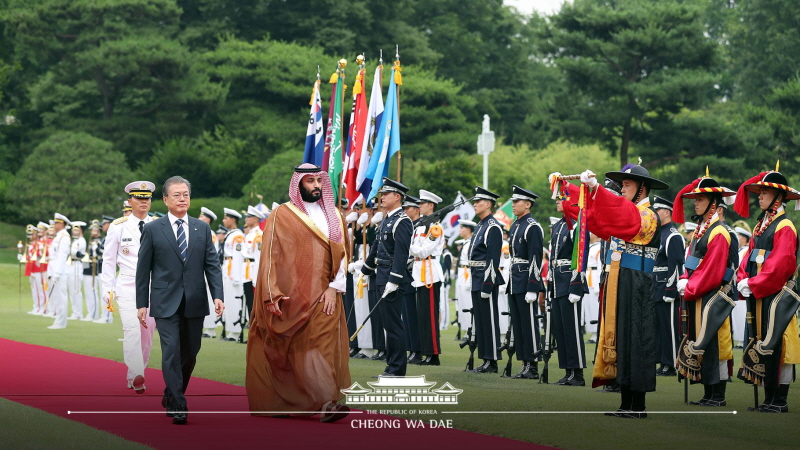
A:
<point x="225" y="362"/>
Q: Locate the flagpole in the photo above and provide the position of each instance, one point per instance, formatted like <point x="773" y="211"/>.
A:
<point x="342" y="65"/>
<point x="397" y="67"/>
<point x="381" y="75"/>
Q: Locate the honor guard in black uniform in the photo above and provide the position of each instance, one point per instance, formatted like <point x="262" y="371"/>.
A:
<point x="378" y="335"/>
<point x="667" y="271"/>
<point x="388" y="259"/>
<point x="566" y="288"/>
<point x="484" y="262"/>
<point x="410" y="319"/>
<point x="526" y="240"/>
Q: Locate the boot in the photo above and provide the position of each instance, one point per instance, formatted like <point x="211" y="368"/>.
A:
<point x="432" y="360"/>
<point x="564" y="379"/>
<point x="780" y="403"/>
<point x="707" y="393"/>
<point x="638" y="409"/>
<point x="522" y="372"/>
<point x="533" y="370"/>
<point x="717" y="394"/>
<point x="576" y="379"/>
<point x="483" y="368"/>
<point x="769" y="395"/>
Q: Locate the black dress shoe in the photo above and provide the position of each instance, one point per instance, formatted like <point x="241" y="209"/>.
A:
<point x="166" y="402"/>
<point x="181" y="416"/>
<point x="206" y="335"/>
<point x="414" y="358"/>
<point x="359" y="355"/>
<point x="380" y="356"/>
<point x="430" y="361"/>
<point x="354" y="351"/>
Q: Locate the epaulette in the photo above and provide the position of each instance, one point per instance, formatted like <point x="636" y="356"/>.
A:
<point x="492" y="221"/>
<point x="530" y="220"/>
<point x="120" y="220"/>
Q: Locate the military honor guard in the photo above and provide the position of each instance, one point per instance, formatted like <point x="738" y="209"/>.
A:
<point x="667" y="271"/>
<point x="426" y="247"/>
<point x="446" y="260"/>
<point x="126" y="209"/>
<point x="764" y="280"/>
<point x="526" y="248"/>
<point x="105" y="315"/>
<point x="30" y="257"/>
<point x="484" y="262"/>
<point x="566" y="290"/>
<point x="122" y="252"/>
<point x="591" y="300"/>
<point x="466" y="229"/>
<point x="362" y="233"/>
<point x="410" y="316"/>
<point x="75" y="270"/>
<point x="92" y="267"/>
<point x="388" y="259"/>
<point x="233" y="274"/>
<point x="58" y="271"/>
<point x="210" y="321"/>
<point x="705" y="352"/>
<point x="626" y="342"/>
<point x="376" y="320"/>
<point x="252" y="255"/>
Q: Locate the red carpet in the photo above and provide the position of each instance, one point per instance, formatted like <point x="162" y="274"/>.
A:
<point x="57" y="382"/>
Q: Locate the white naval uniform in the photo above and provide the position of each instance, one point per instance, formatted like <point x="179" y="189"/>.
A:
<point x="464" y="288"/>
<point x="361" y="299"/>
<point x="75" y="277"/>
<point x="426" y="252"/>
<point x="252" y="254"/>
<point x="37" y="289"/>
<point x="232" y="279"/>
<point x="591" y="304"/>
<point x="57" y="273"/>
<point x="122" y="250"/>
<point x="210" y="321"/>
<point x="91" y="287"/>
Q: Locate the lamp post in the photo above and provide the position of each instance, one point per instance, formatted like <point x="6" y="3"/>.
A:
<point x="485" y="147"/>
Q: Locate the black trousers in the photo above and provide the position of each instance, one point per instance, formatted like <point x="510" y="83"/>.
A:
<point x="567" y="331"/>
<point x="378" y="336"/>
<point x="667" y="332"/>
<point x="391" y="309"/>
<point x="180" y="342"/>
<point x="248" y="299"/>
<point x="428" y="318"/>
<point x="525" y="326"/>
<point x="410" y="317"/>
<point x="349" y="299"/>
<point x="487" y="326"/>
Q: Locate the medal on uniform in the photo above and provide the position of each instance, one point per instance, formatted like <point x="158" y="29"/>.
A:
<point x="125" y="250"/>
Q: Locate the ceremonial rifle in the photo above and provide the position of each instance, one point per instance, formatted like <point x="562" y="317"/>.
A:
<point x="242" y="320"/>
<point x="508" y="346"/>
<point x="471" y="342"/>
<point x="547" y="348"/>
<point x="426" y="221"/>
<point x="685" y="330"/>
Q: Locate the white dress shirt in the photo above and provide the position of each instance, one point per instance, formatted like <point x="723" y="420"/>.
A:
<point x="185" y="225"/>
<point x="317" y="215"/>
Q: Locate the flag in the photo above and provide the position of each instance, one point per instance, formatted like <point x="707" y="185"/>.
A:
<point x="356" y="139"/>
<point x="315" y="147"/>
<point x="505" y="214"/>
<point x="450" y="223"/>
<point x="326" y="156"/>
<point x="374" y="119"/>
<point x="387" y="141"/>
<point x="263" y="208"/>
<point x="335" y="163"/>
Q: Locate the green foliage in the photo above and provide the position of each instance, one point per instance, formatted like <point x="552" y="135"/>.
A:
<point x="271" y="180"/>
<point x="75" y="174"/>
<point x="445" y="176"/>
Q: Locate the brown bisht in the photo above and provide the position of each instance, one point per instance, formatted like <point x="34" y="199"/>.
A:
<point x="297" y="361"/>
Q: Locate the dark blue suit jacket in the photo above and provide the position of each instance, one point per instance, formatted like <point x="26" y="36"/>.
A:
<point x="172" y="279"/>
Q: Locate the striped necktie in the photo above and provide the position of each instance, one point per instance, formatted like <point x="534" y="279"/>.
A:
<point x="181" y="238"/>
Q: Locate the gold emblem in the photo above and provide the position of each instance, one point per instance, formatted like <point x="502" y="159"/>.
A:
<point x="144" y="186"/>
<point x="125" y="251"/>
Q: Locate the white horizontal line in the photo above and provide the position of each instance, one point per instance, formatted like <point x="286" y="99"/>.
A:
<point x="584" y="412"/>
<point x="207" y="412"/>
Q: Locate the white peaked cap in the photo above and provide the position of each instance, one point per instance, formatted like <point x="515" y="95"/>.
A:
<point x="428" y="196"/>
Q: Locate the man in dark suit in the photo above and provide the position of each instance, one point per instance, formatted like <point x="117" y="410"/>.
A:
<point x="176" y="258"/>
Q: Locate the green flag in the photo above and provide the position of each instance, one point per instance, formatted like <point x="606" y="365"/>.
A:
<point x="335" y="163"/>
<point x="505" y="214"/>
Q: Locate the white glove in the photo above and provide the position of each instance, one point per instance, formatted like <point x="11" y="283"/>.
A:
<point x="352" y="217"/>
<point x="351" y="268"/>
<point x="107" y="298"/>
<point x="390" y="287"/>
<point x="553" y="175"/>
<point x="237" y="284"/>
<point x="376" y="219"/>
<point x="588" y="178"/>
<point x="669" y="299"/>
<point x="19" y="257"/>
<point x="744" y="288"/>
<point x="574" y="298"/>
<point x="356" y="266"/>
<point x="363" y="219"/>
<point x="681" y="286"/>
<point x="531" y="297"/>
<point x="502" y="289"/>
<point x="486" y="294"/>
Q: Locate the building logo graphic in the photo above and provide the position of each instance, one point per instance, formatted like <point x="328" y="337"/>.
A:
<point x="409" y="390"/>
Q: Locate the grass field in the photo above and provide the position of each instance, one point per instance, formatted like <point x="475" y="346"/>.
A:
<point x="225" y="362"/>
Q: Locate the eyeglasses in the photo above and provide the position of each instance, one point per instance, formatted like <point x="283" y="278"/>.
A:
<point x="179" y="195"/>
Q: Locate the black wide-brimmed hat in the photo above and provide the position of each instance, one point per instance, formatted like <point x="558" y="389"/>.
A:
<point x="636" y="172"/>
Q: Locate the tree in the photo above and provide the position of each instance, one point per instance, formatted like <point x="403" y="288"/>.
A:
<point x="75" y="174"/>
<point x="631" y="62"/>
<point x="114" y="68"/>
<point x="272" y="179"/>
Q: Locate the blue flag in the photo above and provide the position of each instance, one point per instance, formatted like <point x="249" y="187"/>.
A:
<point x="315" y="144"/>
<point x="387" y="142"/>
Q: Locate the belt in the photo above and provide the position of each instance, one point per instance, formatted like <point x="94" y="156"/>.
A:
<point x="632" y="256"/>
<point x="250" y="259"/>
<point x="660" y="269"/>
<point x="519" y="261"/>
<point x="693" y="262"/>
<point x="127" y="272"/>
<point x="477" y="263"/>
<point x="561" y="262"/>
<point x="463" y="265"/>
<point x="383" y="262"/>
<point x="228" y="258"/>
